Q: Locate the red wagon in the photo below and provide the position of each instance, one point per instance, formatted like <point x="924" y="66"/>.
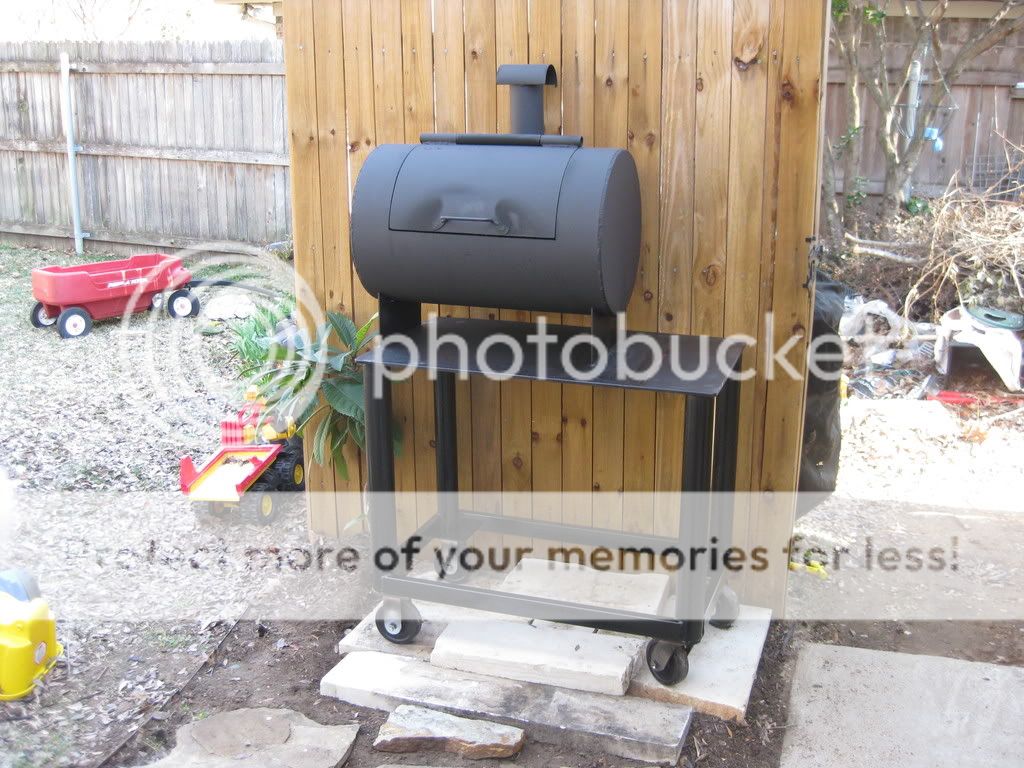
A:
<point x="72" y="297"/>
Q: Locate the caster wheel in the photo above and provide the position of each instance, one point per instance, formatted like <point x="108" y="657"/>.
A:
<point x="668" y="662"/>
<point x="401" y="626"/>
<point x="727" y="608"/>
<point x="183" y="303"/>
<point x="73" y="323"/>
<point x="453" y="572"/>
<point x="39" y="318"/>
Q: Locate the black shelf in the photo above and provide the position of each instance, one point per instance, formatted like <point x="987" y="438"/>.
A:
<point x="474" y="332"/>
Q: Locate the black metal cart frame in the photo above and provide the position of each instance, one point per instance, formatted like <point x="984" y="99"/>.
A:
<point x="708" y="472"/>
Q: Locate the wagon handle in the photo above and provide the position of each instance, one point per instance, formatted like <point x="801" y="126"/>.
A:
<point x="442" y="222"/>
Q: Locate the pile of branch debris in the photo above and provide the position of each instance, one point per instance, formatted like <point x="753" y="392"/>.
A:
<point x="967" y="248"/>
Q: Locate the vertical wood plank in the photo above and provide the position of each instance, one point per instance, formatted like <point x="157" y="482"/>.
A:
<point x="450" y="117"/>
<point x="676" y="254"/>
<point x="360" y="127"/>
<point x="747" y="182"/>
<point x="577" y="78"/>
<point x="711" y="149"/>
<point x="546" y="428"/>
<point x="802" y="66"/>
<point x="611" y="108"/>
<point x="389" y="124"/>
<point x="418" y="107"/>
<point x="481" y="117"/>
<point x="300" y="93"/>
<point x="644" y="143"/>
<point x="512" y="47"/>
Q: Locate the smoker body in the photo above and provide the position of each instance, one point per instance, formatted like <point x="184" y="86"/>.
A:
<point x="533" y="226"/>
<point x="532" y="222"/>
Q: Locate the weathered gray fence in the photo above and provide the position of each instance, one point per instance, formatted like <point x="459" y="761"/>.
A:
<point x="985" y="105"/>
<point x="178" y="142"/>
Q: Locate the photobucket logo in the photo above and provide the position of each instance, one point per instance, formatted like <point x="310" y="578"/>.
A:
<point x="181" y="361"/>
<point x="574" y="354"/>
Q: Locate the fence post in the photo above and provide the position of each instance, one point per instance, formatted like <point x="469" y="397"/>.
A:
<point x="68" y="119"/>
<point x="913" y="102"/>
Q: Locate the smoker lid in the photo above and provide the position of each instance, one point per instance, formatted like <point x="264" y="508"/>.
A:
<point x="502" y="191"/>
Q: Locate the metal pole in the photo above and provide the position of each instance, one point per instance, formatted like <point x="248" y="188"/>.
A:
<point x="67" y="117"/>
<point x="913" y="101"/>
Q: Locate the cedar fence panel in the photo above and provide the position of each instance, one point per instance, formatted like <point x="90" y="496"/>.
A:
<point x="720" y="103"/>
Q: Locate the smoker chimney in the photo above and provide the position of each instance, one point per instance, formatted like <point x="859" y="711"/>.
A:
<point x="527" y="81"/>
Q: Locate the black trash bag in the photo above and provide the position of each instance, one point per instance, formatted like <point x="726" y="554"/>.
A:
<point x="819" y="463"/>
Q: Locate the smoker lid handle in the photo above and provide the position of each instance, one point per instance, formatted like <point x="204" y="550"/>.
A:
<point x="503" y="139"/>
<point x="442" y="222"/>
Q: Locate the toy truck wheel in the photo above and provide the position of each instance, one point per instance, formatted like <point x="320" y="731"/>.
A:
<point x="292" y="473"/>
<point x="183" y="303"/>
<point x="74" y="323"/>
<point x="260" y="504"/>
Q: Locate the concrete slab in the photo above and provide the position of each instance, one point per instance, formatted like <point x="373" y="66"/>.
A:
<point x="270" y="738"/>
<point x="722" y="669"/>
<point x="570" y="657"/>
<point x="852" y="707"/>
<point x="645" y="730"/>
<point x="639" y="592"/>
<point x="411" y="729"/>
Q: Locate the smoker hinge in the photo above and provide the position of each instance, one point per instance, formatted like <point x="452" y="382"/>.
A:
<point x="813" y="259"/>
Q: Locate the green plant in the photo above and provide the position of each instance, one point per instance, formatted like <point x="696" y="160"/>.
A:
<point x="917" y="206"/>
<point x="247" y="334"/>
<point x="316" y="382"/>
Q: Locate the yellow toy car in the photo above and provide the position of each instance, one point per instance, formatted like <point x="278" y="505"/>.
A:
<point x="28" y="645"/>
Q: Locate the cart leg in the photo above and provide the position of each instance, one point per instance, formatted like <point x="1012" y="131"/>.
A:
<point x="380" y="464"/>
<point x="694" y="522"/>
<point x="723" y="483"/>
<point x="446" y="442"/>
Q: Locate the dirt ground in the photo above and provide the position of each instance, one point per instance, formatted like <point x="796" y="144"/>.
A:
<point x="128" y="682"/>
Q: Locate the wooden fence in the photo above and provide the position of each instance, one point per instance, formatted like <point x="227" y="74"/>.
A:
<point x="718" y="100"/>
<point x="986" y="105"/>
<point x="179" y="142"/>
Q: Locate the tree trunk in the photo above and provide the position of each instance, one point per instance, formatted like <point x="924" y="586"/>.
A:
<point x="833" y="216"/>
<point x="853" y="152"/>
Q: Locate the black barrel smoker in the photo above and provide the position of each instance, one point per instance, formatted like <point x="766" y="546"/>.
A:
<point x="536" y="222"/>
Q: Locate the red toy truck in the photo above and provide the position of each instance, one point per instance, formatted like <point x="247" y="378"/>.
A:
<point x="256" y="458"/>
<point x="73" y="297"/>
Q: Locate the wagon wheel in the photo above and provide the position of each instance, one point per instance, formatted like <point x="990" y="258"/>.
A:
<point x="74" y="323"/>
<point x="39" y="317"/>
<point x="183" y="303"/>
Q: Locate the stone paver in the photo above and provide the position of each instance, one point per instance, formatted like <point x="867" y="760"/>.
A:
<point x="570" y="657"/>
<point x="411" y="729"/>
<point x="852" y="707"/>
<point x="639" y="592"/>
<point x="270" y="738"/>
<point x="632" y="728"/>
<point x="723" y="667"/>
